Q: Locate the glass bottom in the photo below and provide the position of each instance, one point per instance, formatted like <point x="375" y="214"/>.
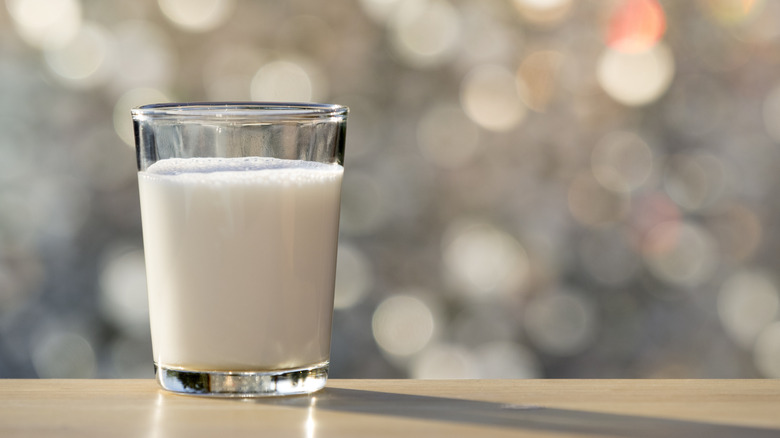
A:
<point x="243" y="383"/>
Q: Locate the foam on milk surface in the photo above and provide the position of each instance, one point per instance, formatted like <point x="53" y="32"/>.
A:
<point x="240" y="259"/>
<point x="243" y="169"/>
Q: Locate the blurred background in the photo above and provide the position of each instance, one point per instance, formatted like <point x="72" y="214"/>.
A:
<point x="534" y="188"/>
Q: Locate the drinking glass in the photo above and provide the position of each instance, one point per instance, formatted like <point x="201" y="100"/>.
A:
<point x="240" y="210"/>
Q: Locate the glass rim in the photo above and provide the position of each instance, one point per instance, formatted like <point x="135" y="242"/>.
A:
<point x="240" y="110"/>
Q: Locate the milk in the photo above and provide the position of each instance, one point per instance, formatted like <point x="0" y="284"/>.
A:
<point x="240" y="260"/>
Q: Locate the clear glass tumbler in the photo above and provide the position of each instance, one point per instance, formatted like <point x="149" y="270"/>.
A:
<point x="240" y="211"/>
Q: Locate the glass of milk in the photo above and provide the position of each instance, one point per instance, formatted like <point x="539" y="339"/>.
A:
<point x="240" y="213"/>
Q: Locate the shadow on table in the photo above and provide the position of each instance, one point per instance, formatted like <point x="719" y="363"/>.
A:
<point x="514" y="416"/>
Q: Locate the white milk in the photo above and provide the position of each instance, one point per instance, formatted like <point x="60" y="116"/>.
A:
<point x="240" y="260"/>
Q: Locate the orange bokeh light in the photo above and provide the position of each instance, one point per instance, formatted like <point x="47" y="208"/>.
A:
<point x="636" y="25"/>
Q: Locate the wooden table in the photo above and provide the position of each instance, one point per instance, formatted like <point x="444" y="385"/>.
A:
<point x="405" y="408"/>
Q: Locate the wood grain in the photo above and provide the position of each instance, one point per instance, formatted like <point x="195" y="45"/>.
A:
<point x="384" y="408"/>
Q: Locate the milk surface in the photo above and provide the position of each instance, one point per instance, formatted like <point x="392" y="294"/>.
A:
<point x="240" y="260"/>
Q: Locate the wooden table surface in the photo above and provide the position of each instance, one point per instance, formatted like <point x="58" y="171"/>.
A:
<point x="405" y="408"/>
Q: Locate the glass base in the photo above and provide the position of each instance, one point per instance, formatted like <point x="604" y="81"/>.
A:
<point x="243" y="383"/>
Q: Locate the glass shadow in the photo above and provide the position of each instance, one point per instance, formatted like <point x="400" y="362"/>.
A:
<point x="518" y="417"/>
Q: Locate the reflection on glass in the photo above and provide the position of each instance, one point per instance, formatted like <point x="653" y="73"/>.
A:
<point x="311" y="425"/>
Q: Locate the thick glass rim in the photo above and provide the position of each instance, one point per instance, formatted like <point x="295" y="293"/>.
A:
<point x="240" y="110"/>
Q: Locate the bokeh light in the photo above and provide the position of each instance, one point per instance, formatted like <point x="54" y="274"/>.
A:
<point x="543" y="12"/>
<point x="636" y="78"/>
<point x="680" y="253"/>
<point x="354" y="276"/>
<point x="560" y="323"/>
<point x="695" y="180"/>
<point x="767" y="351"/>
<point x="197" y="15"/>
<point x="489" y="95"/>
<point x="636" y="25"/>
<point x="380" y="10"/>
<point x="622" y="161"/>
<point x="425" y="33"/>
<point x="648" y="211"/>
<point x="403" y="325"/>
<point x="733" y="12"/>
<point x="63" y="354"/>
<point x="747" y="303"/>
<point x="46" y="24"/>
<point x="483" y="260"/>
<point x="86" y="60"/>
<point x="752" y="20"/>
<point x="123" y="297"/>
<point x="533" y="188"/>
<point x="294" y="80"/>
